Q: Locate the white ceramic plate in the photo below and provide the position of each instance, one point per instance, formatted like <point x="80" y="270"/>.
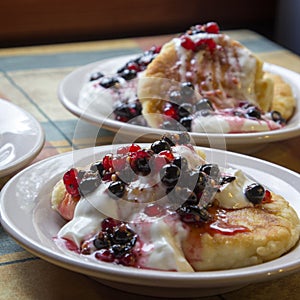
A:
<point x="32" y="222"/>
<point x="71" y="85"/>
<point x="21" y="138"/>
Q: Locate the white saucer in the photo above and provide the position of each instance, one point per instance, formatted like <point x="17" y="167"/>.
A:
<point x="21" y="138"/>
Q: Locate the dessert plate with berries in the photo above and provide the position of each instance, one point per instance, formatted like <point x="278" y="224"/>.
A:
<point x="21" y="138"/>
<point x="131" y="217"/>
<point x="193" y="83"/>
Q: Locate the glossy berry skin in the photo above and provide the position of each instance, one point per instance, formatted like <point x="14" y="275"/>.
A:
<point x="212" y="27"/>
<point x="170" y="110"/>
<point x="169" y="139"/>
<point x="71" y="182"/>
<point x="169" y="174"/>
<point x="181" y="162"/>
<point x="108" y="82"/>
<point x="276" y="117"/>
<point x="107" y="162"/>
<point x="253" y="112"/>
<point x="167" y="155"/>
<point x="128" y="74"/>
<point x="203" y="104"/>
<point x="96" y="75"/>
<point x="139" y="162"/>
<point x="186" y="89"/>
<point x="267" y="197"/>
<point x="227" y="179"/>
<point x="186" y="122"/>
<point x="255" y="193"/>
<point x="117" y="188"/>
<point x="126" y="149"/>
<point x="187" y="43"/>
<point x="185" y="109"/>
<point x="133" y="66"/>
<point x="211" y="169"/>
<point x="114" y="243"/>
<point x="159" y="146"/>
<point x="127" y="111"/>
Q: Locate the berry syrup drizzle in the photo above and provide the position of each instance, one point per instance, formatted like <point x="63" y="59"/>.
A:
<point x="190" y="192"/>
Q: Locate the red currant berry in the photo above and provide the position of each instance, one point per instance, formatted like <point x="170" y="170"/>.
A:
<point x="133" y="66"/>
<point x="71" y="182"/>
<point x="168" y="155"/>
<point x="107" y="161"/>
<point x="134" y="148"/>
<point x="212" y="27"/>
<point x="268" y="197"/>
<point x="140" y="162"/>
<point x="126" y="149"/>
<point x="211" y="44"/>
<point x="122" y="119"/>
<point x="170" y="111"/>
<point x="187" y="43"/>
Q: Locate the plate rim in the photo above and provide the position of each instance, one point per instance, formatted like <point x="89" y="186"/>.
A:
<point x="24" y="160"/>
<point x="231" y="139"/>
<point x="128" y="275"/>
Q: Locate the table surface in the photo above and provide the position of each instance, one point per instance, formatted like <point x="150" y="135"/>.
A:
<point x="29" y="77"/>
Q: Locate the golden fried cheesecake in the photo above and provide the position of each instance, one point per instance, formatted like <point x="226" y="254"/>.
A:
<point x="205" y="80"/>
<point x="164" y="207"/>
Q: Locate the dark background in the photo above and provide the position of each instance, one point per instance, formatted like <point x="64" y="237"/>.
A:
<point x="31" y="22"/>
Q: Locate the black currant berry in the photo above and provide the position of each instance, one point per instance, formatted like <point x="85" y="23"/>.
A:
<point x="255" y="193"/>
<point x="159" y="146"/>
<point x="169" y="174"/>
<point x="117" y="188"/>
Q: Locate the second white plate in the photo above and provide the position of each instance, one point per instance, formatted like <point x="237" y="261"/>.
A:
<point x="71" y="85"/>
<point x="21" y="138"/>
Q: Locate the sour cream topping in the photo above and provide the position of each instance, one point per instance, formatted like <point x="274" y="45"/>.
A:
<point x="220" y="123"/>
<point x="161" y="238"/>
<point x="231" y="195"/>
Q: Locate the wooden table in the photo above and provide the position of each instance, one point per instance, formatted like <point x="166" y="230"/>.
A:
<point x="29" y="77"/>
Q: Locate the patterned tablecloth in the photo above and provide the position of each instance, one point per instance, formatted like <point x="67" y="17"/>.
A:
<point x="29" y="77"/>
